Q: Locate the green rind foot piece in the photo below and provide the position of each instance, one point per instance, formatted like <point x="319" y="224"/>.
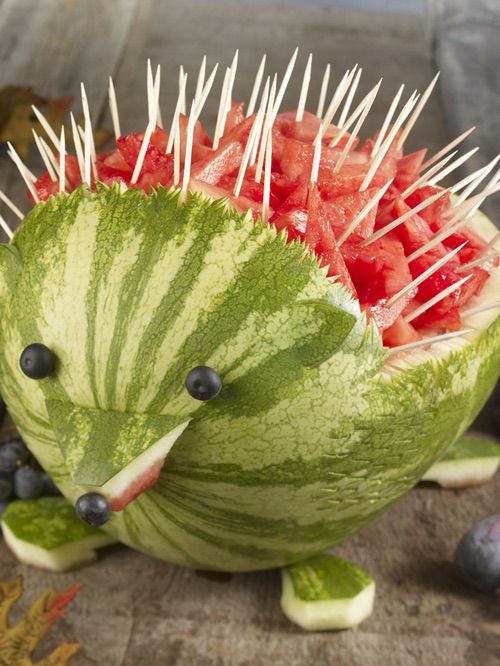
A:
<point x="326" y="593"/>
<point x="46" y="533"/>
<point x="472" y="460"/>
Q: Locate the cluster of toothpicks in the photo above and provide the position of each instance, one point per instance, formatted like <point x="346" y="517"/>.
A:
<point x="264" y="103"/>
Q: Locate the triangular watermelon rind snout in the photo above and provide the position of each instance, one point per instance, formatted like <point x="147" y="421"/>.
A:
<point x="99" y="445"/>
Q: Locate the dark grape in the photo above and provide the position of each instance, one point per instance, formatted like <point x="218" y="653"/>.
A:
<point x="8" y="460"/>
<point x="93" y="509"/>
<point x="477" y="557"/>
<point x="28" y="483"/>
<point x="5" y="487"/>
<point x="19" y="447"/>
<point x="3" y="506"/>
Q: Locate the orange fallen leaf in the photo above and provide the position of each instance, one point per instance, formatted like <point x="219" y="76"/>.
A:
<point x="19" y="641"/>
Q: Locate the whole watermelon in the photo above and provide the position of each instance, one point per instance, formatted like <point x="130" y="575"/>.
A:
<point x="316" y="430"/>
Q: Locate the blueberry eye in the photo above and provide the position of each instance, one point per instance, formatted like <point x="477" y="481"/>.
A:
<point x="93" y="509"/>
<point x="203" y="383"/>
<point x="37" y="361"/>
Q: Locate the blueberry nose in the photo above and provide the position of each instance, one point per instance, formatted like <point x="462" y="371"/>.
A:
<point x="93" y="509"/>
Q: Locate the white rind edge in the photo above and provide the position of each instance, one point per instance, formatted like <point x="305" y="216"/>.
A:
<point x="157" y="452"/>
<point x="326" y="615"/>
<point x="62" y="558"/>
<point x="462" y="473"/>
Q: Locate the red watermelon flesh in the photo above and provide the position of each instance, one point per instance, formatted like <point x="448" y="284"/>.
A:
<point x="318" y="214"/>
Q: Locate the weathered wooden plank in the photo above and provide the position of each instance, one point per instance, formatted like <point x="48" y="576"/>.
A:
<point x="53" y="46"/>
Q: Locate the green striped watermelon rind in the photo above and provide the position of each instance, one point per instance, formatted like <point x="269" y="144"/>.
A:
<point x="299" y="451"/>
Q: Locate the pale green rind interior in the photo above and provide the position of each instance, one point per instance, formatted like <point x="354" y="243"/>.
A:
<point x="60" y="559"/>
<point x="471" y="447"/>
<point x="299" y="451"/>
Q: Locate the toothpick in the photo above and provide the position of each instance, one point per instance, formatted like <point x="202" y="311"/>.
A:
<point x="423" y="276"/>
<point x="201" y="79"/>
<point x="256" y="86"/>
<point x="429" y="341"/>
<point x="151" y="88"/>
<point x="10" y="204"/>
<point x="263" y="103"/>
<point x="387" y="120"/>
<point x="200" y="101"/>
<point x="182" y="107"/>
<point x="219" y="125"/>
<point x="78" y="146"/>
<point x="175" y="120"/>
<point x="449" y="146"/>
<point x="268" y="126"/>
<point x="436" y="299"/>
<point x="62" y="161"/>
<point x="152" y="110"/>
<point x="267" y="179"/>
<point x="316" y="158"/>
<point x="252" y="140"/>
<point x="323" y="91"/>
<point x="226" y="99"/>
<point x="113" y="107"/>
<point x="337" y="98"/>
<point x="189" y="149"/>
<point x="357" y="128"/>
<point x="6" y="228"/>
<point x="350" y="97"/>
<point x="454" y="165"/>
<point x="363" y="213"/>
<point x="46" y="126"/>
<point x="157" y="83"/>
<point x="304" y="90"/>
<point x="483" y="259"/>
<point x="26" y="174"/>
<point x="425" y="176"/>
<point x="50" y="155"/>
<point x="284" y="83"/>
<point x="351" y="120"/>
<point x="475" y="179"/>
<point x="88" y="131"/>
<point x="418" y="110"/>
<point x="469" y="207"/>
<point x="494" y="305"/>
<point x="402" y="218"/>
<point x="176" y="133"/>
<point x="44" y="157"/>
<point x="386" y="144"/>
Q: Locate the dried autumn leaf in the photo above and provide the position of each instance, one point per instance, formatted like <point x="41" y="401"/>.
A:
<point x="17" y="119"/>
<point x="19" y="641"/>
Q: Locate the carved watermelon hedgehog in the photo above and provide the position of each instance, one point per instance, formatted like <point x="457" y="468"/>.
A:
<point x="241" y="372"/>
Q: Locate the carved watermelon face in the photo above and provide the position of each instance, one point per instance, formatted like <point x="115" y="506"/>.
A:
<point x="316" y="429"/>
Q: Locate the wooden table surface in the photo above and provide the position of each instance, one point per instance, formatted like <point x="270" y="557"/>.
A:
<point x="133" y="610"/>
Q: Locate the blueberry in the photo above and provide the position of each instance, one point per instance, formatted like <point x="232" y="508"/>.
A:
<point x="49" y="487"/>
<point x="203" y="383"/>
<point x="3" y="506"/>
<point x="93" y="509"/>
<point x="19" y="447"/>
<point x="37" y="361"/>
<point x="8" y="460"/>
<point x="28" y="483"/>
<point x="5" y="488"/>
<point x="477" y="557"/>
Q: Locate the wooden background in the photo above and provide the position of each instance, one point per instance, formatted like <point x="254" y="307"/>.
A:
<point x="133" y="610"/>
